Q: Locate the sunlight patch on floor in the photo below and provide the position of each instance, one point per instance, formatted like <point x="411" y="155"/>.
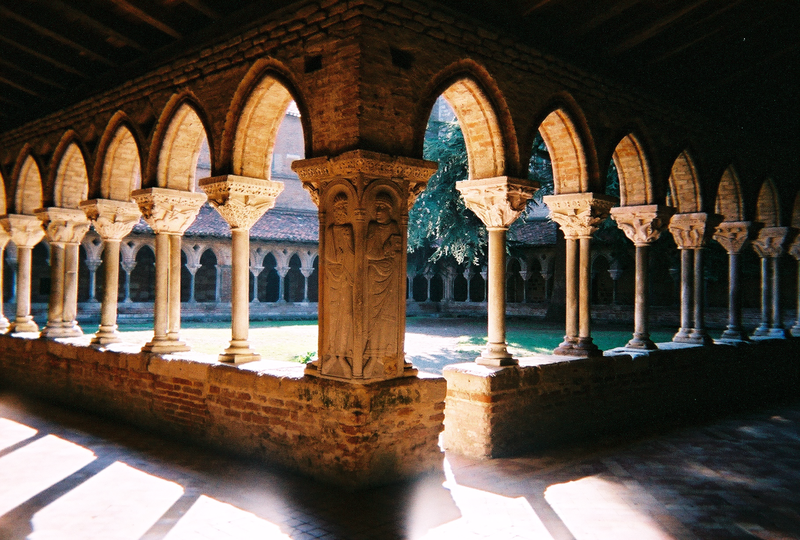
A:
<point x="12" y="433"/>
<point x="118" y="503"/>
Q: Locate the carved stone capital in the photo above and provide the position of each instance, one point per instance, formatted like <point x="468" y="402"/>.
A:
<point x="770" y="240"/>
<point x="113" y="220"/>
<point x="794" y="248"/>
<point x="693" y="230"/>
<point x="579" y="214"/>
<point x="4" y="238"/>
<point x="733" y="235"/>
<point x="497" y="201"/>
<point x="241" y="200"/>
<point x="168" y="210"/>
<point x="362" y="167"/>
<point x="24" y="230"/>
<point x="63" y="225"/>
<point x="642" y="224"/>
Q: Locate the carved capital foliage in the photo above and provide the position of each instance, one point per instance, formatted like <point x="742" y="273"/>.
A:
<point x="733" y="235"/>
<point x="770" y="241"/>
<point x="241" y="200"/>
<point x="642" y="224"/>
<point x="63" y="225"/>
<point x="497" y="201"/>
<point x="168" y="210"/>
<point x="579" y="214"/>
<point x="113" y="220"/>
<point x="24" y="230"/>
<point x="693" y="230"/>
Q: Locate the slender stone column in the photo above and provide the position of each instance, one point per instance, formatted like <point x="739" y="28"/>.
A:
<point x="113" y="221"/>
<point x="428" y="275"/>
<point x="733" y="235"/>
<point x="193" y="268"/>
<point x="256" y="271"/>
<point x="524" y="274"/>
<point x="498" y="202"/>
<point x="92" y="265"/>
<point x="4" y="238"/>
<point x="241" y="201"/>
<point x="363" y="199"/>
<point x="307" y="273"/>
<point x="468" y="274"/>
<point x="25" y="231"/>
<point x="642" y="225"/>
<point x="485" y="275"/>
<point x="169" y="212"/>
<point x="127" y="266"/>
<point x="11" y="259"/>
<point x="282" y="271"/>
<point x="769" y="247"/>
<point x="65" y="228"/>
<point x="691" y="231"/>
<point x="579" y="215"/>
<point x="794" y="251"/>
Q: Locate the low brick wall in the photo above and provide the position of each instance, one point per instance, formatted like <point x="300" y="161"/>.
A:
<point x="348" y="434"/>
<point x="550" y="400"/>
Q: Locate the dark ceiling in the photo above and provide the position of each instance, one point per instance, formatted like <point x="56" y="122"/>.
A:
<point x="735" y="59"/>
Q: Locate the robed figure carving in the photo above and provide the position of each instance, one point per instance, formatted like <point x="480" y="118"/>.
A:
<point x="384" y="246"/>
<point x="337" y="349"/>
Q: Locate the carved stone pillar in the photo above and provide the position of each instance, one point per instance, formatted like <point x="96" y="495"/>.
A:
<point x="579" y="215"/>
<point x="25" y="231"/>
<point x="794" y="251"/>
<point x="256" y="271"/>
<point x="363" y="199"/>
<point x="642" y="225"/>
<point x="428" y="275"/>
<point x="65" y="228"/>
<point x="241" y="201"/>
<point x="691" y="231"/>
<point x="113" y="221"/>
<point x="468" y="275"/>
<point x="282" y="271"/>
<point x="92" y="265"/>
<point x="4" y="238"/>
<point x="733" y="236"/>
<point x="769" y="247"/>
<point x="498" y="202"/>
<point x="307" y="273"/>
<point x="169" y="212"/>
<point x="127" y="266"/>
<point x="485" y="276"/>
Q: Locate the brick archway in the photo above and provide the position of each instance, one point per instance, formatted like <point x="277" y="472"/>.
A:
<point x="120" y="165"/>
<point x="29" y="187"/>
<point x="179" y="148"/>
<point x="768" y="206"/>
<point x="72" y="181"/>
<point x="684" y="185"/>
<point x="567" y="153"/>
<point x="635" y="181"/>
<point x="729" y="202"/>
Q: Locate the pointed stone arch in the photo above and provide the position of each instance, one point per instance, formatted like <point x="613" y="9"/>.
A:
<point x="574" y="170"/>
<point x="178" y="141"/>
<point x="768" y="205"/>
<point x="71" y="183"/>
<point x="119" y="161"/>
<point x="633" y="168"/>
<point x="28" y="195"/>
<point x="684" y="185"/>
<point x="730" y="203"/>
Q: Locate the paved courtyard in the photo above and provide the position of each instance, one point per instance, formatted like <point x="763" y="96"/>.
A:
<point x="69" y="475"/>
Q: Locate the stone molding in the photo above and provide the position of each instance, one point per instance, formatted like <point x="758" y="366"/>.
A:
<point x="642" y="224"/>
<point x="579" y="214"/>
<point x="770" y="241"/>
<point x="113" y="220"/>
<point x="169" y="211"/>
<point x="734" y="235"/>
<point x="24" y="230"/>
<point x="693" y="230"/>
<point x="364" y="166"/>
<point x="497" y="201"/>
<point x="63" y="225"/>
<point x="241" y="200"/>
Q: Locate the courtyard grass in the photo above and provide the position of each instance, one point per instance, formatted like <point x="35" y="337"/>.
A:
<point x="431" y="343"/>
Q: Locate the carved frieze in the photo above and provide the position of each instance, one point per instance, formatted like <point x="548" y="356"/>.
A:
<point x="642" y="224"/>
<point x="579" y="214"/>
<point x="168" y="210"/>
<point x="24" y="230"/>
<point x="733" y="235"/>
<point x="693" y="230"/>
<point x="498" y="201"/>
<point x="241" y="200"/>
<point x="770" y="241"/>
<point x="63" y="225"/>
<point x="113" y="220"/>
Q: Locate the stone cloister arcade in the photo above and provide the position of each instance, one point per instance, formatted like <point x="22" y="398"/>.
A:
<point x="364" y="79"/>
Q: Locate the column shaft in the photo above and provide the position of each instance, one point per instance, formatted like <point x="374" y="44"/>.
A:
<point x="776" y="322"/>
<point x="174" y="317"/>
<point x="107" y="332"/>
<point x="161" y="304"/>
<point x="734" y="331"/>
<point x="571" y="283"/>
<point x="71" y="262"/>
<point x="641" y="334"/>
<point x="686" y="296"/>
<point x="3" y="319"/>
<point x="795" y="328"/>
<point x="763" y="327"/>
<point x="55" y="307"/>
<point x="585" y="345"/>
<point x="699" y="334"/>
<point x="24" y="322"/>
<point x="92" y="283"/>
<point x="239" y="350"/>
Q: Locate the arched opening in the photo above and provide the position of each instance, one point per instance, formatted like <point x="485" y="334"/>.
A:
<point x="186" y="279"/>
<point x="29" y="189"/>
<point x="419" y="288"/>
<point x="178" y="158"/>
<point x="768" y="208"/>
<point x="268" y="280"/>
<point x="313" y="282"/>
<point x="72" y="180"/>
<point x="460" y="288"/>
<point x="40" y="273"/>
<point x="515" y="285"/>
<point x="121" y="173"/>
<point x="143" y="276"/>
<point x="567" y="153"/>
<point x="602" y="284"/>
<point x="437" y="288"/>
<point x="205" y="279"/>
<point x="633" y="173"/>
<point x="729" y="201"/>
<point x="477" y="288"/>
<point x="534" y="285"/>
<point x="684" y="186"/>
<point x="294" y="282"/>
<point x="83" y="276"/>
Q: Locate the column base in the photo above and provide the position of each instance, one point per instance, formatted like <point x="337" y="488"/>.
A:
<point x="795" y="331"/>
<point x="23" y="324"/>
<point x="312" y="369"/>
<point x="778" y="333"/>
<point x="61" y="330"/>
<point x="566" y="347"/>
<point x="586" y="348"/>
<point x="239" y="352"/>
<point x="761" y="331"/>
<point x="106" y="335"/>
<point x="641" y="342"/>
<point x="684" y="335"/>
<point x="497" y="355"/>
<point x="700" y="337"/>
<point x="733" y="333"/>
<point x="165" y="346"/>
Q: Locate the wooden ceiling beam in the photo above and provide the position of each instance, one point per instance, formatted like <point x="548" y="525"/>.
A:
<point x="12" y="84"/>
<point x="31" y="74"/>
<point x="200" y="6"/>
<point x="60" y="65"/>
<point x="111" y="35"/>
<point x="605" y="15"/>
<point x="534" y="5"/>
<point x="146" y="18"/>
<point x="54" y="36"/>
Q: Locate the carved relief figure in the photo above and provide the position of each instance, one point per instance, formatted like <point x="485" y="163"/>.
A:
<point x="384" y="244"/>
<point x="339" y="267"/>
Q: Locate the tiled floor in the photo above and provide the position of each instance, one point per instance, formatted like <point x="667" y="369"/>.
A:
<point x="65" y="475"/>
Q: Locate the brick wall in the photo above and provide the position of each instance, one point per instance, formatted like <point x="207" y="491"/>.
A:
<point x="348" y="434"/>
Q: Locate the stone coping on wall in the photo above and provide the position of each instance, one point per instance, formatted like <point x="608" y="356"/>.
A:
<point x="353" y="435"/>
